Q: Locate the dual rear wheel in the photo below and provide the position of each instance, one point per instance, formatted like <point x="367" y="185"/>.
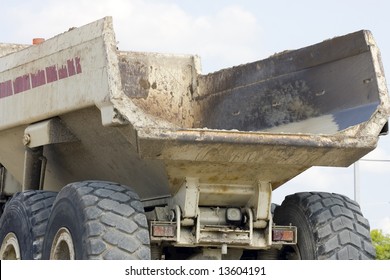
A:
<point x="86" y="220"/>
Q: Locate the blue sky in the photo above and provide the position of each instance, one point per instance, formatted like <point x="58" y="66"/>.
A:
<point x="227" y="33"/>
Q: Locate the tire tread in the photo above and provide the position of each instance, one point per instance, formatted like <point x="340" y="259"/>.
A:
<point x="339" y="228"/>
<point x="115" y="226"/>
<point x="36" y="206"/>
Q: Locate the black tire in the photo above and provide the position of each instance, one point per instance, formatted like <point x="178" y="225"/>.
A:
<point x="25" y="216"/>
<point x="330" y="226"/>
<point x="273" y="208"/>
<point x="104" y="221"/>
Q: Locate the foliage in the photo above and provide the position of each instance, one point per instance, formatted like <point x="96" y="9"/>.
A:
<point x="381" y="243"/>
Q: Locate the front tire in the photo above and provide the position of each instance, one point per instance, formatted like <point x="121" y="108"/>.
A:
<point x="330" y="226"/>
<point x="97" y="220"/>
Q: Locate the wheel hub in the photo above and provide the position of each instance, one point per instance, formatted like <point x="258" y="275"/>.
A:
<point x="62" y="247"/>
<point x="10" y="249"/>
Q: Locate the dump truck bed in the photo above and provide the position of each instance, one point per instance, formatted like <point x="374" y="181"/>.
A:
<point x="151" y="120"/>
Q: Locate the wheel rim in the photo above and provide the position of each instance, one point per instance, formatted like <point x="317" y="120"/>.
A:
<point x="290" y="253"/>
<point x="62" y="247"/>
<point x="10" y="249"/>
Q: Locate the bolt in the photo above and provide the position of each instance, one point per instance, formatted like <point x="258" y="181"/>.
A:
<point x="26" y="139"/>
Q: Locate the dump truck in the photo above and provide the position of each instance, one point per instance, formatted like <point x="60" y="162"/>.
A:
<point x="109" y="154"/>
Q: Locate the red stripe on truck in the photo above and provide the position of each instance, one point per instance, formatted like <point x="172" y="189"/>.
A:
<point x="5" y="89"/>
<point x="51" y="74"/>
<point x="63" y="72"/>
<point x="22" y="83"/>
<point x="38" y="79"/>
<point x="71" y="67"/>
<point x="41" y="77"/>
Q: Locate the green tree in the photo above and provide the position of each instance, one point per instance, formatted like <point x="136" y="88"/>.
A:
<point x="381" y="243"/>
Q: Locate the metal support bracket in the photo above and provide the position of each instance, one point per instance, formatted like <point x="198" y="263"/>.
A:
<point x="50" y="131"/>
<point x="32" y="174"/>
<point x="187" y="198"/>
<point x="35" y="137"/>
<point x="261" y="204"/>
